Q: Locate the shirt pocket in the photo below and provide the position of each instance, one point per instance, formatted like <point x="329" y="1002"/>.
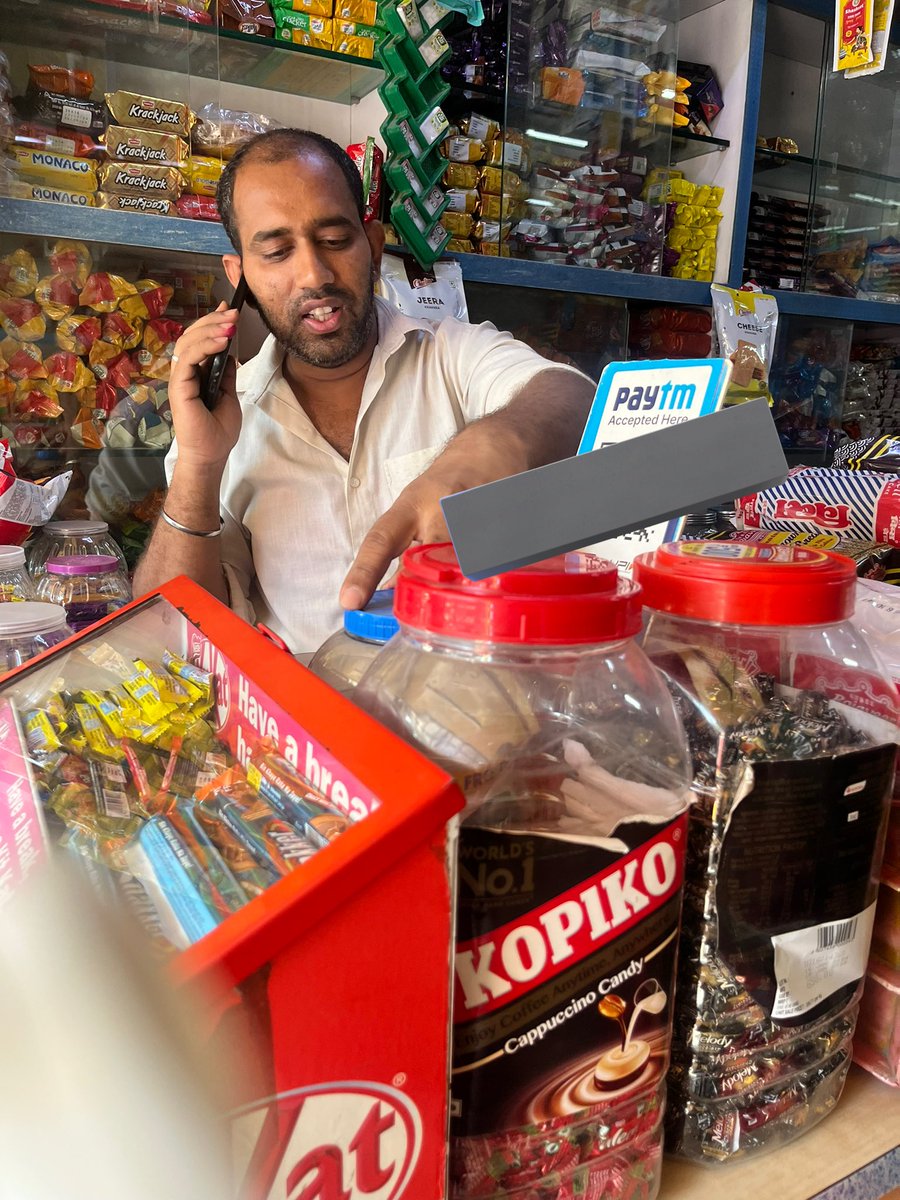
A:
<point x="401" y="471"/>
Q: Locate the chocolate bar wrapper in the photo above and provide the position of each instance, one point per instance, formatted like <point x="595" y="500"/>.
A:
<point x="274" y="843"/>
<point x="862" y="505"/>
<point x="145" y="147"/>
<point x="253" y="877"/>
<point x="870" y="454"/>
<point x="159" y="206"/>
<point x="225" y="891"/>
<point x="174" y="879"/>
<point x="128" y="179"/>
<point x="54" y="108"/>
<point x="277" y="781"/>
<point x="149" y="112"/>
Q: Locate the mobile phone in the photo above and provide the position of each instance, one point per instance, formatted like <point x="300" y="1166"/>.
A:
<point x="213" y="372"/>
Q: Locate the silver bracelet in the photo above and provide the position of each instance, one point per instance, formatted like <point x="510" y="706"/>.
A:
<point x="192" y="532"/>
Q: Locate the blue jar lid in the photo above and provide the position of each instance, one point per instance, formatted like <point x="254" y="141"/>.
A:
<point x="376" y="622"/>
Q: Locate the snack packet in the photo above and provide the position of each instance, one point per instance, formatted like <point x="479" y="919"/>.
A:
<point x="197" y="208"/>
<point x="122" y="331"/>
<point x="863" y="504"/>
<point x="78" y="333"/>
<point x="73" y="259"/>
<point x="68" y="82"/>
<point x="131" y="179"/>
<point x="22" y="320"/>
<point x="67" y="373"/>
<point x="103" y="292"/>
<point x="746" y="326"/>
<point x="57" y="295"/>
<point x="147" y="112"/>
<point x="147" y="299"/>
<point x="24" y="360"/>
<point x="37" y="398"/>
<point x="369" y="162"/>
<point x="433" y="293"/>
<point x="18" y="274"/>
<point x="144" y="147"/>
<point x="203" y="174"/>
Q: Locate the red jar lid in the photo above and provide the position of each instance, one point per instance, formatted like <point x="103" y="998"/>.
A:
<point x="571" y="600"/>
<point x="736" y="584"/>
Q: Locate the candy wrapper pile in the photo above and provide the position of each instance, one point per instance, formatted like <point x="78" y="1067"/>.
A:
<point x="85" y="355"/>
<point x="138" y="788"/>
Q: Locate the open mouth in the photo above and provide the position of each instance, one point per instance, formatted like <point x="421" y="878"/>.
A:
<point x="325" y="318"/>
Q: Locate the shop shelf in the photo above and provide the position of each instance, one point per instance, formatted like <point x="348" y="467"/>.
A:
<point x="842" y="308"/>
<point x="687" y="145"/>
<point x="518" y="272"/>
<point x="794" y="172"/>
<point x="126" y="34"/>
<point x="39" y="219"/>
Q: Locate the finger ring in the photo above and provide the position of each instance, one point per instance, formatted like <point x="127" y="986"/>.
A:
<point x="174" y="358"/>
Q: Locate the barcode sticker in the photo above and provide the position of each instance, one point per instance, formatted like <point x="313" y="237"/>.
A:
<point x="115" y="803"/>
<point x="78" y="118"/>
<point x="812" y="964"/>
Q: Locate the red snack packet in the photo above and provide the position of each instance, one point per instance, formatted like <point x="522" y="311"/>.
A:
<point x="198" y="208"/>
<point x="71" y="258"/>
<point x="22" y="319"/>
<point x="57" y="295"/>
<point x="369" y="162"/>
<point x="864" y="505"/>
<point x="116" y="368"/>
<point x="57" y="140"/>
<point x="78" y="333"/>
<point x="104" y="292"/>
<point x="64" y="80"/>
<point x="25" y="361"/>
<point x="124" y="332"/>
<point x="18" y="274"/>
<point x="151" y="299"/>
<point x="106" y="397"/>
<point x="161" y="335"/>
<point x="37" y="398"/>
<point x="67" y="373"/>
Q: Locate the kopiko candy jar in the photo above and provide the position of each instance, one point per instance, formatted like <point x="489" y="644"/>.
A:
<point x="531" y="690"/>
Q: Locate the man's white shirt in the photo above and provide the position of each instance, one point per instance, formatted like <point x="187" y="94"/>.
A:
<point x="296" y="512"/>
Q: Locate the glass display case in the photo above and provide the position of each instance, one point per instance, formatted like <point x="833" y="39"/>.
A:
<point x="580" y="161"/>
<point x="826" y="182"/>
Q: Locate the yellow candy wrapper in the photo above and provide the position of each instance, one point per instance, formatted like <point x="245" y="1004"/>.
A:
<point x="57" y="295"/>
<point x="18" y="274"/>
<point x="104" y="292"/>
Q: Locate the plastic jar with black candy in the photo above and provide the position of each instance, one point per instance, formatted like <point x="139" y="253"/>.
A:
<point x="530" y="689"/>
<point x="792" y="724"/>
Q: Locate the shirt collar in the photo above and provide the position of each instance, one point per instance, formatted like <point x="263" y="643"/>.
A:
<point x="263" y="373"/>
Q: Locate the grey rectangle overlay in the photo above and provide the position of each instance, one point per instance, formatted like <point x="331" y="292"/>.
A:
<point x="591" y="497"/>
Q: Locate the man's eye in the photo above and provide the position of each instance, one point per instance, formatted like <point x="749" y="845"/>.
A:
<point x="336" y="243"/>
<point x="275" y="255"/>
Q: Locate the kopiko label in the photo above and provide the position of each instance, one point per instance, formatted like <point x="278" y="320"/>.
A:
<point x="563" y="973"/>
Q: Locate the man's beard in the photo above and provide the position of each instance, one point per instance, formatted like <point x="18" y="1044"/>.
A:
<point x="332" y="349"/>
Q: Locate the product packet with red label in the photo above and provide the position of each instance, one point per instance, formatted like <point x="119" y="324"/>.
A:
<point x="851" y="504"/>
<point x="369" y="162"/>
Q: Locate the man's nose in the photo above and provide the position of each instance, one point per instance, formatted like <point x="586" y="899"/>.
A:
<point x="312" y="269"/>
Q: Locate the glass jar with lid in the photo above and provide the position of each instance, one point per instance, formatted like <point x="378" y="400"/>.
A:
<point x="88" y="586"/>
<point x="28" y="629"/>
<point x="345" y="657"/>
<point x="58" y="538"/>
<point x="530" y="689"/>
<point x="792" y="724"/>
<point x="15" y="582"/>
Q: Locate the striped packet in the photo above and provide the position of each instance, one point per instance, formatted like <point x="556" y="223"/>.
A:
<point x="850" y="504"/>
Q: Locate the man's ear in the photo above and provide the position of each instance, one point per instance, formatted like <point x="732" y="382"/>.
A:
<point x="232" y="265"/>
<point x="375" y="234"/>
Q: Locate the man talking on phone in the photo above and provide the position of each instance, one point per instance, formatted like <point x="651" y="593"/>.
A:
<point x="327" y="455"/>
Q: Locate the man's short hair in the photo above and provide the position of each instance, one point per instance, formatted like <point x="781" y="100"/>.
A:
<point x="276" y="146"/>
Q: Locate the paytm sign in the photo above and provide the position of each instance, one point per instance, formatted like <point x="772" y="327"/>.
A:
<point x="639" y="397"/>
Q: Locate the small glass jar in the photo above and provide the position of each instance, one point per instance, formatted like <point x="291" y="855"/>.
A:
<point x="15" y="582"/>
<point x="28" y="629"/>
<point x="346" y="656"/>
<point x="88" y="586"/>
<point x="59" y="538"/>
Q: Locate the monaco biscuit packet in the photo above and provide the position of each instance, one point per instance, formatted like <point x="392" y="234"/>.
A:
<point x="24" y="189"/>
<point x="148" y="112"/>
<point x="128" y="179"/>
<point x="145" y="146"/>
<point x="55" y="170"/>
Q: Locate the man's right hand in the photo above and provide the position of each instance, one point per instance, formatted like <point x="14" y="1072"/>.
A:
<point x="205" y="439"/>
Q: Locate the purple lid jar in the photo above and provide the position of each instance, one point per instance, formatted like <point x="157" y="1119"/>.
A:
<point x="82" y="564"/>
<point x="88" y="586"/>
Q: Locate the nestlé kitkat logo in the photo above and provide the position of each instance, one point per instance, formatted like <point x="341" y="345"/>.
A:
<point x="334" y="1141"/>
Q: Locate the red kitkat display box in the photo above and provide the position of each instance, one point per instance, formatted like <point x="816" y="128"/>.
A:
<point x="340" y="971"/>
